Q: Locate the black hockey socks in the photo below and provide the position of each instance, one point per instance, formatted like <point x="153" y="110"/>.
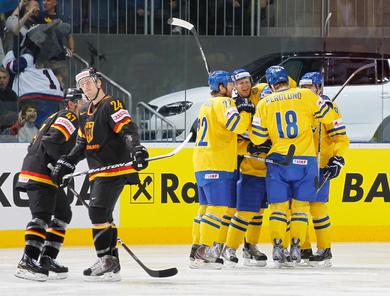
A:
<point x="114" y="249"/>
<point x="102" y="238"/>
<point x="55" y="235"/>
<point x="35" y="236"/>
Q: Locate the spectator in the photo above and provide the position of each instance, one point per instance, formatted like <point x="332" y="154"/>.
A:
<point x="25" y="16"/>
<point x="27" y="130"/>
<point x="34" y="84"/>
<point x="8" y="98"/>
<point x="138" y="13"/>
<point x="59" y="63"/>
<point x="24" y="127"/>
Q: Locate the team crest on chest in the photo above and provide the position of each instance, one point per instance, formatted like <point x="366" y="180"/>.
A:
<point x="89" y="131"/>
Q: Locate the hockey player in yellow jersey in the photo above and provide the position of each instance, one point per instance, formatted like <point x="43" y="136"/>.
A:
<point x="220" y="119"/>
<point x="250" y="194"/>
<point x="334" y="143"/>
<point x="286" y="117"/>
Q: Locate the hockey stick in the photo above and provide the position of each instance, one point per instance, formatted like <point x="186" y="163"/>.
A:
<point x="285" y="162"/>
<point x="319" y="185"/>
<point x="118" y="165"/>
<point x="325" y="34"/>
<point x="350" y="78"/>
<point x="153" y="273"/>
<point x="186" y="25"/>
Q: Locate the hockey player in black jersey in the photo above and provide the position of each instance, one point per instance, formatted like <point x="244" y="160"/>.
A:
<point x="49" y="205"/>
<point x="107" y="136"/>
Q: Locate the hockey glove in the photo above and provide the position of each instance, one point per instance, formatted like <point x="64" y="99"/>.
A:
<point x="139" y="156"/>
<point x="63" y="167"/>
<point x="334" y="166"/>
<point x="244" y="105"/>
<point x="258" y="149"/>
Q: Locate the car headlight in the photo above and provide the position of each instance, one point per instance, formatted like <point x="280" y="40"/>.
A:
<point x="175" y="108"/>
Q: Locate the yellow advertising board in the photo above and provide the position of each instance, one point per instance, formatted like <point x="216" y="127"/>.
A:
<point x="162" y="208"/>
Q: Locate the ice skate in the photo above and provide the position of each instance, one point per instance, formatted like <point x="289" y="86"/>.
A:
<point x="56" y="270"/>
<point x="305" y="255"/>
<point x="105" y="269"/>
<point x="194" y="247"/>
<point x="30" y="269"/>
<point x="207" y="258"/>
<point x="281" y="256"/>
<point x="229" y="256"/>
<point x="253" y="256"/>
<point x="295" y="251"/>
<point x="323" y="258"/>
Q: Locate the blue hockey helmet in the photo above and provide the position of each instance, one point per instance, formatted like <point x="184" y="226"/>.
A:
<point x="265" y="92"/>
<point x="240" y="74"/>
<point x="311" y="78"/>
<point x="276" y="74"/>
<point x="218" y="77"/>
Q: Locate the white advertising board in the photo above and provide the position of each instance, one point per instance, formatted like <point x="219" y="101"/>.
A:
<point x="14" y="210"/>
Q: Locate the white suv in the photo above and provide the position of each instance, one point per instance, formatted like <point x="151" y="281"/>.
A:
<point x="364" y="102"/>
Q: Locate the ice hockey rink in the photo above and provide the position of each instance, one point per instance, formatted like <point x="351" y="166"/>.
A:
<point x="358" y="269"/>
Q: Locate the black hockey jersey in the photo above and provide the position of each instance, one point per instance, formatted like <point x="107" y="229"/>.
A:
<point x="102" y="128"/>
<point x="56" y="137"/>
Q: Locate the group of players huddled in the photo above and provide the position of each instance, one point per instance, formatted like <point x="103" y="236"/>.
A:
<point x="242" y="121"/>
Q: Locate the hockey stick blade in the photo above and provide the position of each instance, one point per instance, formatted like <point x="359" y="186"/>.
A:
<point x="186" y="25"/>
<point x="285" y="162"/>
<point x="118" y="165"/>
<point x="153" y="273"/>
<point x="289" y="156"/>
<point x="173" y="21"/>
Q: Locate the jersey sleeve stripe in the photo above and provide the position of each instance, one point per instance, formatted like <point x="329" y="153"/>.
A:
<point x="338" y="134"/>
<point x="231" y="119"/>
<point x="263" y="129"/>
<point x="323" y="113"/>
<point x="336" y="129"/>
<point x="236" y="121"/>
<point x="118" y="127"/>
<point x="260" y="134"/>
<point x="62" y="130"/>
<point x="321" y="109"/>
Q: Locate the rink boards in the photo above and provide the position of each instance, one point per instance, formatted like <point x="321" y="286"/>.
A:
<point x="162" y="208"/>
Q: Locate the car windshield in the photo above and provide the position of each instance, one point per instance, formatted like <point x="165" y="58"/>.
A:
<point x="337" y="68"/>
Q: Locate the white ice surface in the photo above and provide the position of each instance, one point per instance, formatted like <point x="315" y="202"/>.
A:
<point x="359" y="269"/>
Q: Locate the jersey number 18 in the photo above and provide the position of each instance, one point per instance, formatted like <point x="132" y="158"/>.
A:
<point x="289" y="127"/>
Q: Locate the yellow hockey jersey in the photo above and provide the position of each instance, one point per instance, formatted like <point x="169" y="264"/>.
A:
<point x="250" y="166"/>
<point x="216" y="142"/>
<point x="334" y="139"/>
<point x="287" y="117"/>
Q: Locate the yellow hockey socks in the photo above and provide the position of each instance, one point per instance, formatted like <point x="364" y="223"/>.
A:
<point x="225" y="221"/>
<point x="299" y="219"/>
<point x="252" y="235"/>
<point x="210" y="224"/>
<point x="278" y="220"/>
<point x="237" y="229"/>
<point x="321" y="222"/>
<point x="196" y="224"/>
